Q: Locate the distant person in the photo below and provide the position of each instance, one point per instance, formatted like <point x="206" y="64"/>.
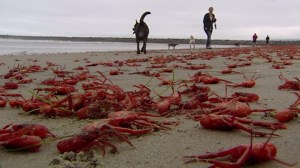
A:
<point x="192" y="42"/>
<point x="254" y="38"/>
<point x="267" y="40"/>
<point x="208" y="20"/>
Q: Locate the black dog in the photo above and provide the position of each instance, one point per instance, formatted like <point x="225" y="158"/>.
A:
<point x="172" y="45"/>
<point x="141" y="32"/>
<point x="237" y="44"/>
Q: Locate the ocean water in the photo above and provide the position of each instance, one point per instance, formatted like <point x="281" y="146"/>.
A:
<point x="18" y="47"/>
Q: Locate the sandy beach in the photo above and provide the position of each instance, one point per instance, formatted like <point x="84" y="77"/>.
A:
<point x="163" y="148"/>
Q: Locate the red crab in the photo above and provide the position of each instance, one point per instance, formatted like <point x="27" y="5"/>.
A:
<point x="292" y="85"/>
<point x="132" y="123"/>
<point x="228" y="122"/>
<point x="97" y="137"/>
<point x="239" y="155"/>
<point x="24" y="136"/>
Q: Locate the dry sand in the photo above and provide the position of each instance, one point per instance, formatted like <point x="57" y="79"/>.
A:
<point x="162" y="149"/>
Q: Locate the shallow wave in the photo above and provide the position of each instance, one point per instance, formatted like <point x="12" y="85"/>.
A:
<point x="19" y="47"/>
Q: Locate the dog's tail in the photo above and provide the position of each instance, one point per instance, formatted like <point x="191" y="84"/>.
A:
<point x="144" y="15"/>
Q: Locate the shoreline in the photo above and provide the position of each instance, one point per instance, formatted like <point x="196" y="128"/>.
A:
<point x="164" y="148"/>
<point x="118" y="52"/>
<point x="25" y="47"/>
<point x="150" y="40"/>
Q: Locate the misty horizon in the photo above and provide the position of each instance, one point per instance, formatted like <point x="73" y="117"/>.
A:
<point x="132" y="37"/>
<point x="236" y="20"/>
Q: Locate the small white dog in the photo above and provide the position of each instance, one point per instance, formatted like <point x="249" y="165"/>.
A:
<point x="192" y="42"/>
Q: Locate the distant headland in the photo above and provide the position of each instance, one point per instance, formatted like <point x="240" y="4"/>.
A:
<point x="151" y="40"/>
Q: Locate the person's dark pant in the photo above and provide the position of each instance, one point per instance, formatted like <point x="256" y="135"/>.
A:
<point x="208" y="40"/>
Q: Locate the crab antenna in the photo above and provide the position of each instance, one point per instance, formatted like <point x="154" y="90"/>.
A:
<point x="268" y="140"/>
<point x="244" y="75"/>
<point x="253" y="75"/>
<point x="226" y="92"/>
<point x="251" y="139"/>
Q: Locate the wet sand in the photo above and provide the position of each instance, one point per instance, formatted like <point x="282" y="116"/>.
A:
<point x="161" y="149"/>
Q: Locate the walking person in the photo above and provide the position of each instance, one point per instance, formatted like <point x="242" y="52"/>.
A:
<point x="267" y="40"/>
<point x="208" y="21"/>
<point x="254" y="38"/>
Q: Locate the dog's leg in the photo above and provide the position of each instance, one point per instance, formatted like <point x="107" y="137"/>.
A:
<point x="142" y="49"/>
<point x="144" y="46"/>
<point x="138" y="47"/>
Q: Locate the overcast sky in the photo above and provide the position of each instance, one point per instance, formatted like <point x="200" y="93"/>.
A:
<point x="236" y="19"/>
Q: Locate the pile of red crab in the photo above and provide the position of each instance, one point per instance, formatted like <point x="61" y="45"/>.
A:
<point x="90" y="92"/>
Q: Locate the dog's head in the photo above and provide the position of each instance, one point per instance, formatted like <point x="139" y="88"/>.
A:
<point x="135" y="26"/>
